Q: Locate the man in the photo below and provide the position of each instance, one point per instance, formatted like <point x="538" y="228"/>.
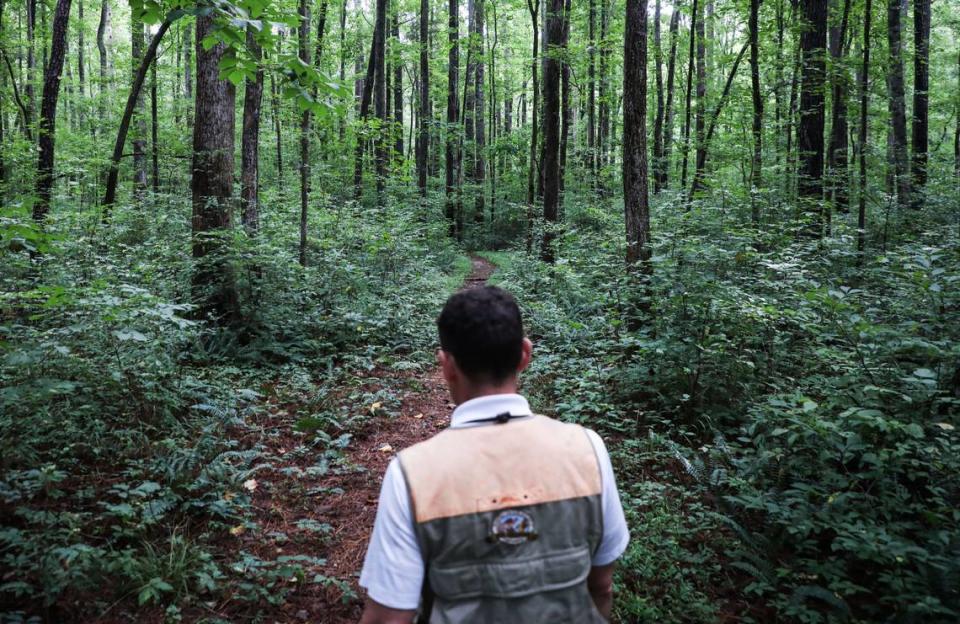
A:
<point x="505" y="516"/>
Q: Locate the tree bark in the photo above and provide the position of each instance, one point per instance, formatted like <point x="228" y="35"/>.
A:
<point x="604" y="93"/>
<point x="553" y="43"/>
<point x="691" y="57"/>
<point x="139" y="121"/>
<point x="397" y="88"/>
<point x="756" y="163"/>
<point x="154" y="130"/>
<point x="452" y="206"/>
<point x="533" y="6"/>
<point x="658" y="163"/>
<point x="479" y="160"/>
<point x="668" y="121"/>
<point x="303" y="34"/>
<point x="636" y="208"/>
<point x="565" y="112"/>
<point x="921" y="86"/>
<point x="277" y="127"/>
<point x="110" y="194"/>
<point x="250" y="142"/>
<point x="212" y="181"/>
<point x="380" y="99"/>
<point x="862" y="134"/>
<point x="813" y="42"/>
<point x="102" y="49"/>
<point x="898" y="111"/>
<point x="423" y="122"/>
<point x="81" y="65"/>
<point x="591" y="94"/>
<point x="701" y="110"/>
<point x="31" y="6"/>
<point x="48" y="110"/>
<point x="837" y="153"/>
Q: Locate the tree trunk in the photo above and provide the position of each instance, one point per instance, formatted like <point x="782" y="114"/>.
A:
<point x="81" y="65"/>
<point x="363" y="111"/>
<point x="837" y="153"/>
<point x="135" y="89"/>
<point x="553" y="43"/>
<point x="701" y="111"/>
<point x="397" y="88"/>
<point x="813" y="42"/>
<point x="862" y="138"/>
<point x="691" y="57"/>
<point x="533" y="6"/>
<point x="636" y="209"/>
<point x="756" y="163"/>
<point x="250" y="143"/>
<point x="452" y="206"/>
<point x="423" y="122"/>
<point x="898" y="112"/>
<point x="479" y="161"/>
<point x="304" y="54"/>
<point x="31" y="6"/>
<point x="658" y="164"/>
<point x="343" y="64"/>
<point x="380" y="99"/>
<point x="212" y="180"/>
<point x="591" y="94"/>
<point x="102" y="49"/>
<point x="668" y="121"/>
<point x="48" y="110"/>
<point x="604" y="93"/>
<point x="188" y="61"/>
<point x="154" y="130"/>
<point x="139" y="121"/>
<point x="277" y="127"/>
<point x="921" y="86"/>
<point x="565" y="113"/>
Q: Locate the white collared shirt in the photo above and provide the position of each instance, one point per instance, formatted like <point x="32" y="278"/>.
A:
<point x="393" y="568"/>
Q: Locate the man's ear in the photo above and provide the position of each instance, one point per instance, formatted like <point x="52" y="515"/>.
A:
<point x="526" y="352"/>
<point x="448" y="365"/>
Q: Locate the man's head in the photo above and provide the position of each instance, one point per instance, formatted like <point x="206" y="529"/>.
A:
<point x="482" y="348"/>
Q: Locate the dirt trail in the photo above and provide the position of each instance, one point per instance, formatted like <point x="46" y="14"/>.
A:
<point x="424" y="410"/>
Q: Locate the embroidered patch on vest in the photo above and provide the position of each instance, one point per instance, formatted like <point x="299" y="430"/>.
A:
<point x="512" y="527"/>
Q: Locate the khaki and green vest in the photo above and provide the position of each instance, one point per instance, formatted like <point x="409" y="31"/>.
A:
<point x="508" y="517"/>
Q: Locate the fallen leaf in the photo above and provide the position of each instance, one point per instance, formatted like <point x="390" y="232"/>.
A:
<point x="375" y="407"/>
<point x="250" y="484"/>
<point x="945" y="426"/>
<point x="228" y="496"/>
<point x="420" y="415"/>
<point x="238" y="530"/>
<point x="385" y="448"/>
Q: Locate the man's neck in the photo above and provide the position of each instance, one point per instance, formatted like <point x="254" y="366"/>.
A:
<point x="482" y="391"/>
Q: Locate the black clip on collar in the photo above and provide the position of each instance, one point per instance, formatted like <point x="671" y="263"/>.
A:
<point x="500" y="419"/>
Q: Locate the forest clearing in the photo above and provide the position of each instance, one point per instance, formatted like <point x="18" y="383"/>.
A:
<point x="227" y="230"/>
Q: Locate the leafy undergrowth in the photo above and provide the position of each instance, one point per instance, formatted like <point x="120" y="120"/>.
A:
<point x="139" y="445"/>
<point x="783" y="418"/>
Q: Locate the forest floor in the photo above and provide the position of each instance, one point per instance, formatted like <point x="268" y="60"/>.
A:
<point x="349" y="504"/>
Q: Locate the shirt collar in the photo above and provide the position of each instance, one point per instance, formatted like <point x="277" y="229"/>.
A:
<point x="488" y="407"/>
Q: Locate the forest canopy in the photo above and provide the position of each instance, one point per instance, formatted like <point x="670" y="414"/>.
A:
<point x="227" y="227"/>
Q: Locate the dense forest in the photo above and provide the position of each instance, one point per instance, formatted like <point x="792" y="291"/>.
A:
<point x="226" y="229"/>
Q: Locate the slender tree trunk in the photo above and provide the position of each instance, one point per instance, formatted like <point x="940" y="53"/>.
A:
<point x="277" y="126"/>
<point x="591" y="94"/>
<point x="813" y="42"/>
<point x="423" y="121"/>
<point x="380" y="100"/>
<point x="81" y="50"/>
<point x="921" y="86"/>
<point x="343" y="64"/>
<point x="756" y="163"/>
<point x="668" y="121"/>
<point x="898" y="110"/>
<point x="553" y="43"/>
<point x="250" y="143"/>
<point x="139" y="120"/>
<point x="837" y="159"/>
<point x="479" y="161"/>
<point x="956" y="132"/>
<point x="694" y="17"/>
<point x="395" y="61"/>
<point x="212" y="180"/>
<point x="701" y="110"/>
<point x="102" y="49"/>
<point x="188" y="62"/>
<point x="31" y="6"/>
<point x="533" y="6"/>
<point x="862" y="138"/>
<point x="565" y="112"/>
<point x="636" y="208"/>
<point x="304" y="54"/>
<point x="658" y="164"/>
<point x="605" y="94"/>
<point x="48" y="110"/>
<point x="452" y="207"/>
<point x="110" y="194"/>
<point x="154" y="130"/>
<point x="363" y="112"/>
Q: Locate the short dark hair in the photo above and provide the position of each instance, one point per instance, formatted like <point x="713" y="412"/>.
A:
<point x="483" y="330"/>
